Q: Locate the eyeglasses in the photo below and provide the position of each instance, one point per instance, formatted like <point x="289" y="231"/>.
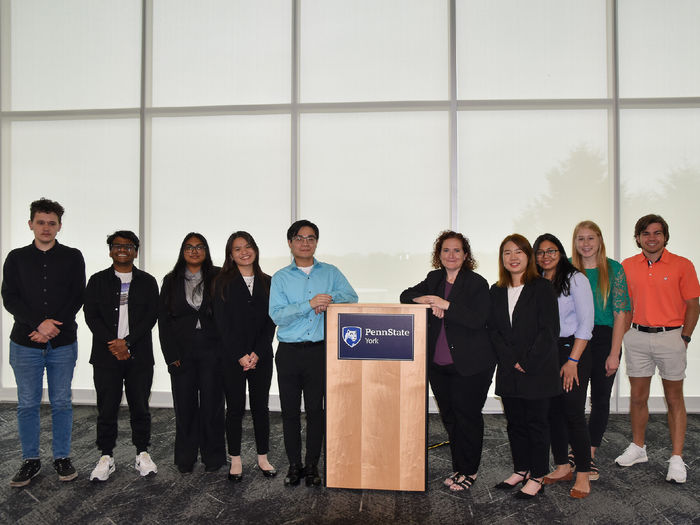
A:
<point x="300" y="238"/>
<point x="123" y="247"/>
<point x="549" y="253"/>
<point x="199" y="248"/>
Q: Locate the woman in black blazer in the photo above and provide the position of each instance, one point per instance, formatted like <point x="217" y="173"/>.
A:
<point x="191" y="347"/>
<point x="524" y="329"/>
<point x="460" y="354"/>
<point x="241" y="298"/>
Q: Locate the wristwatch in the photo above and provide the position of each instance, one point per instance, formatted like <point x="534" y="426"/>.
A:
<point x="685" y="338"/>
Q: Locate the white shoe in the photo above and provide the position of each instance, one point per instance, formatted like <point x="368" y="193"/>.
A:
<point x="632" y="455"/>
<point x="676" y="470"/>
<point x="144" y="464"/>
<point x="104" y="467"/>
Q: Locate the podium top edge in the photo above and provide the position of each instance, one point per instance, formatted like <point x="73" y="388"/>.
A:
<point x="346" y="306"/>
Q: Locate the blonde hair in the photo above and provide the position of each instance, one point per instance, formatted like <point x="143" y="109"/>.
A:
<point x="601" y="259"/>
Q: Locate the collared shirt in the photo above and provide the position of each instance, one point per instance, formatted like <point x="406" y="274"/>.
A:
<point x="290" y="293"/>
<point x="576" y="309"/>
<point x="39" y="285"/>
<point x="659" y="290"/>
<point x="618" y="300"/>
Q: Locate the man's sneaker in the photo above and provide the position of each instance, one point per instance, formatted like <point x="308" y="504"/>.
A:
<point x="144" y="464"/>
<point x="104" y="467"/>
<point x="29" y="469"/>
<point x="65" y="469"/>
<point x="676" y="470"/>
<point x="632" y="455"/>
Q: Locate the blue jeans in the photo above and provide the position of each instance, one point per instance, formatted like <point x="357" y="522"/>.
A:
<point x="28" y="364"/>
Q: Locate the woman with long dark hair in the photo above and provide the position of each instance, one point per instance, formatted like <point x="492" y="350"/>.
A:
<point x="191" y="347"/>
<point x="524" y="324"/>
<point x="567" y="416"/>
<point x="241" y="298"/>
<point x="460" y="354"/>
<point x="612" y="309"/>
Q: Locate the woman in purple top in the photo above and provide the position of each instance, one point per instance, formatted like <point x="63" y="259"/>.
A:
<point x="460" y="354"/>
<point x="567" y="417"/>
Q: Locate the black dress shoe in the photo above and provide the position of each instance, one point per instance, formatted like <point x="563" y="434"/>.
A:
<point x="268" y="473"/>
<point x="235" y="478"/>
<point x="313" y="478"/>
<point x="294" y="475"/>
<point x="185" y="468"/>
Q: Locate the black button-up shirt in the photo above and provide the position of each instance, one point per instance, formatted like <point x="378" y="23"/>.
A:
<point x="39" y="285"/>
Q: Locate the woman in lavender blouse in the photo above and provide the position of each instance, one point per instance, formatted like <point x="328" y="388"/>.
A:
<point x="461" y="358"/>
<point x="567" y="418"/>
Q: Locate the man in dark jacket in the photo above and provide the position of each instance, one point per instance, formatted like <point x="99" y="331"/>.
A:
<point x="121" y="307"/>
<point x="42" y="288"/>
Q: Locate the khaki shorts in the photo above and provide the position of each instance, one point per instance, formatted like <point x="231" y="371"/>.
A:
<point x="644" y="352"/>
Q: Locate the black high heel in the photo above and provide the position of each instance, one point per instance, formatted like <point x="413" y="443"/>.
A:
<point x="507" y="486"/>
<point x="524" y="495"/>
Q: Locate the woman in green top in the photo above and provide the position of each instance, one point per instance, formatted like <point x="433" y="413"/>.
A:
<point x="612" y="309"/>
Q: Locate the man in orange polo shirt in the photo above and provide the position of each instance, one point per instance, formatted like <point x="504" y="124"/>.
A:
<point x="664" y="291"/>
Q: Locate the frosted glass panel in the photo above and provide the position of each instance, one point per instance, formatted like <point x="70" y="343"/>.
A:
<point x="221" y="52"/>
<point x="534" y="49"/>
<point x="377" y="185"/>
<point x="92" y="168"/>
<point x="370" y="50"/>
<point x="216" y="175"/>
<point x="531" y="172"/>
<point x="659" y="46"/>
<point x="74" y="54"/>
<point x="660" y="173"/>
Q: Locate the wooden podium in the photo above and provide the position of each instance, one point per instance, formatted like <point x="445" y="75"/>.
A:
<point x="376" y="396"/>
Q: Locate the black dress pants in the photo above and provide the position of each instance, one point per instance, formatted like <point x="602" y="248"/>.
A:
<point x="258" y="380"/>
<point x="601" y="385"/>
<point x="135" y="378"/>
<point x="301" y="369"/>
<point x="528" y="433"/>
<point x="460" y="400"/>
<point x="567" y="413"/>
<point x="198" y="398"/>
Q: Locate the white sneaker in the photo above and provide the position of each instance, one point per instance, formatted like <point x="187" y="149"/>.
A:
<point x="144" y="464"/>
<point x="104" y="467"/>
<point x="676" y="470"/>
<point x="632" y="455"/>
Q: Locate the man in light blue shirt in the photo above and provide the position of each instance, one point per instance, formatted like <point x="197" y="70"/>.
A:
<point x="299" y="295"/>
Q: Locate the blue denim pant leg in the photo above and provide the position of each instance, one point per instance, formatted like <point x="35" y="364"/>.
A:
<point x="60" y="363"/>
<point x="28" y="365"/>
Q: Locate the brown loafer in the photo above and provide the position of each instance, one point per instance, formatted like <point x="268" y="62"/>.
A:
<point x="551" y="481"/>
<point x="578" y="494"/>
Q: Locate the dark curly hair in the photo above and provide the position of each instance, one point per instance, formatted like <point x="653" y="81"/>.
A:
<point x="469" y="262"/>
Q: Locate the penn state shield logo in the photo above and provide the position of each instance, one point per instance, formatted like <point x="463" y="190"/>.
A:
<point x="352" y="335"/>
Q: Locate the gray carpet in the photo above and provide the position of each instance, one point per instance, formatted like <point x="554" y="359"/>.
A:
<point x="637" y="494"/>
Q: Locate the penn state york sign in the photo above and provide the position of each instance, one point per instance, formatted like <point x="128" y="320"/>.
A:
<point x="375" y="336"/>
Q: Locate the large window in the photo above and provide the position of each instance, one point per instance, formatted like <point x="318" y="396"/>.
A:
<point x="383" y="121"/>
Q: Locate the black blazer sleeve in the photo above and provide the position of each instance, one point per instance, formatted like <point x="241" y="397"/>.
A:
<point x="144" y="308"/>
<point x="464" y="320"/>
<point x="167" y="333"/>
<point x="539" y="353"/>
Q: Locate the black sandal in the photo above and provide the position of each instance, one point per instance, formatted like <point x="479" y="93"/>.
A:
<point x="507" y="486"/>
<point x="462" y="483"/>
<point x="594" y="474"/>
<point x="524" y="495"/>
<point x="449" y="480"/>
